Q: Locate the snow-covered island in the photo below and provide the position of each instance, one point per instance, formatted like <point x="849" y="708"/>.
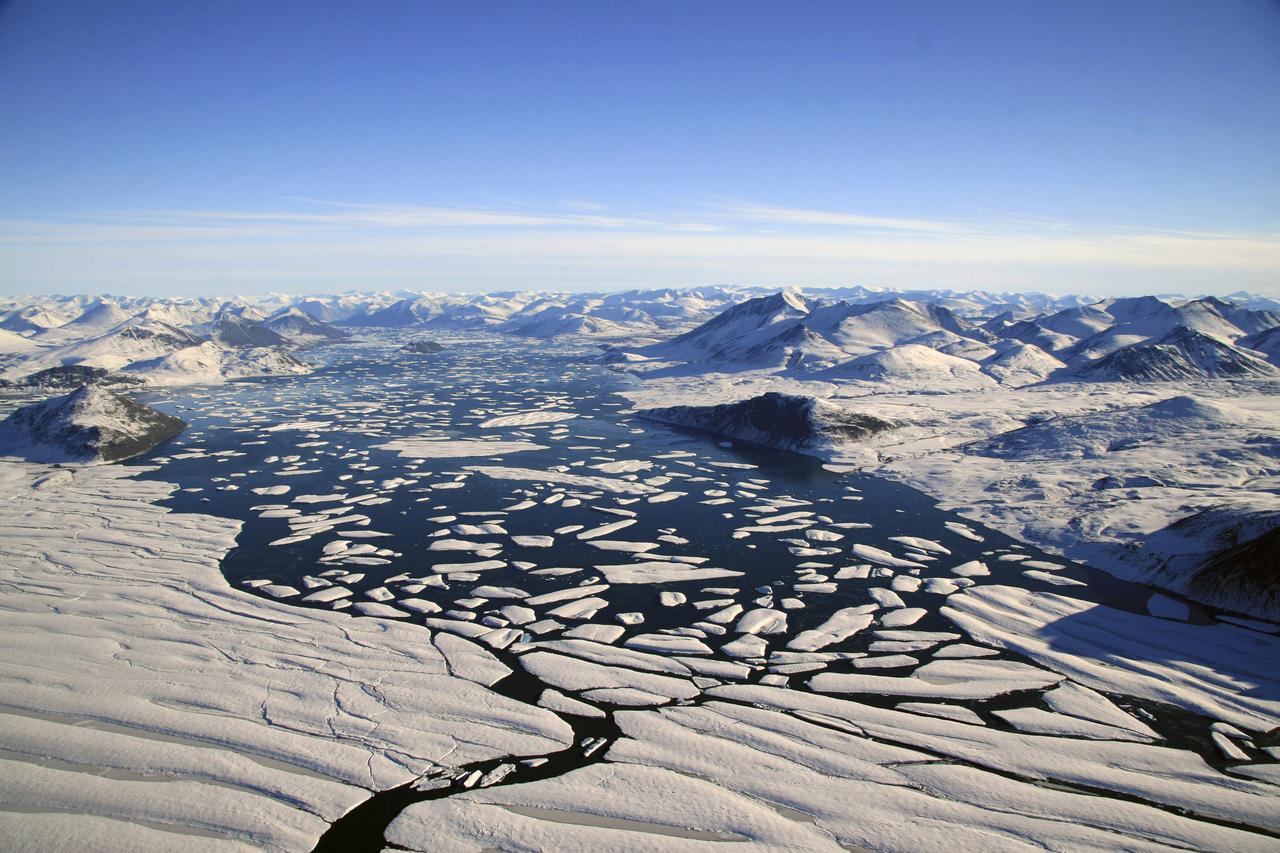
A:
<point x="560" y="591"/>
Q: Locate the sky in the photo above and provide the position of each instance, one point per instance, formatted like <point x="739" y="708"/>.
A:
<point x="1114" y="148"/>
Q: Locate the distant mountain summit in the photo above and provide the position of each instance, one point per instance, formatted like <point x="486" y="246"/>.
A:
<point x="232" y="331"/>
<point x="298" y="326"/>
<point x="88" y="425"/>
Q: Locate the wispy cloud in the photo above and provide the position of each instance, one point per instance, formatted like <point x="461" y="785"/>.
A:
<point x="761" y="213"/>
<point x="347" y="244"/>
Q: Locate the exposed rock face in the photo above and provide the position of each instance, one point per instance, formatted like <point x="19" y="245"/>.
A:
<point x="74" y="376"/>
<point x="1227" y="556"/>
<point x="422" y="346"/>
<point x="786" y="421"/>
<point x="233" y="331"/>
<point x="88" y="425"/>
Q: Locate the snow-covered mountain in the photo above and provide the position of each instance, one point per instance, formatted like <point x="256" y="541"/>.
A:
<point x="1018" y="364"/>
<point x="129" y="341"/>
<point x="32" y="319"/>
<point x="1184" y="353"/>
<point x="209" y="363"/>
<point x="88" y="425"/>
<point x="904" y="343"/>
<point x="911" y="365"/>
<point x="11" y="343"/>
<point x="1014" y="339"/>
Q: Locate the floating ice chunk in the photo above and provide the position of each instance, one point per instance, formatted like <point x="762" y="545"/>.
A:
<point x="419" y="605"/>
<point x="554" y="700"/>
<point x="380" y="593"/>
<point x="500" y="638"/>
<point x="582" y="608"/>
<point x="903" y="617"/>
<point x="615" y="485"/>
<point x="622" y="466"/>
<point x="1039" y="721"/>
<point x="622" y="545"/>
<point x="458" y="545"/>
<point x="605" y="529"/>
<point x="905" y="583"/>
<point x="660" y="572"/>
<point x="972" y="569"/>
<point x="746" y="646"/>
<point x="883" y="662"/>
<point x="1078" y="701"/>
<point x="963" y="530"/>
<point x="671" y="599"/>
<point x="965" y="650"/>
<point x="517" y="614"/>
<point x="316" y="499"/>
<point x="1050" y="578"/>
<point x="278" y="590"/>
<point x="885" y="597"/>
<point x="878" y="646"/>
<point x="499" y="592"/>
<point x="814" y="587"/>
<point x="384" y="611"/>
<point x="959" y="713"/>
<point x="725" y="615"/>
<point x="482" y="566"/>
<point x="576" y="675"/>
<point x="467" y="659"/>
<point x="1229" y="750"/>
<point x="668" y="644"/>
<point x="565" y="594"/>
<point x="271" y="490"/>
<point x="527" y="418"/>
<point x="596" y="633"/>
<point x="921" y="544"/>
<point x="839" y="626"/>
<point x="762" y="621"/>
<point x="884" y="558"/>
<point x="534" y="541"/>
<point x="943" y="679"/>
<point x="627" y="697"/>
<point x="665" y="497"/>
<point x="610" y="655"/>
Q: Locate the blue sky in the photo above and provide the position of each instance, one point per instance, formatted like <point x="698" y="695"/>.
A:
<point x="199" y="147"/>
